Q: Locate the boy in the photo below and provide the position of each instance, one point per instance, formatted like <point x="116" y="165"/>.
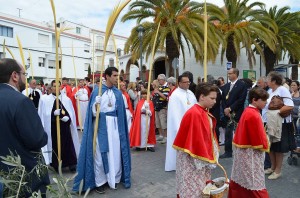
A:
<point x="250" y="140"/>
<point x="138" y="133"/>
<point x="197" y="144"/>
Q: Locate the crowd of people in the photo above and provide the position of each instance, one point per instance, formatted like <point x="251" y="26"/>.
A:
<point x="255" y="121"/>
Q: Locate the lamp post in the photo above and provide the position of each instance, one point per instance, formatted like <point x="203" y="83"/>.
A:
<point x="141" y="31"/>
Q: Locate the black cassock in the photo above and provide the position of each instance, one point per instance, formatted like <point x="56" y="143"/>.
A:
<point x="35" y="97"/>
<point x="68" y="154"/>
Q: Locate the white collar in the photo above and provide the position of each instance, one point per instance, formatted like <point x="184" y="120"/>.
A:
<point x="12" y="87"/>
<point x="232" y="83"/>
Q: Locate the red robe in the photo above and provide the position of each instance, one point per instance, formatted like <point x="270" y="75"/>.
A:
<point x="195" y="134"/>
<point x="250" y="132"/>
<point x="135" y="131"/>
<point x="128" y="101"/>
<point x="74" y="103"/>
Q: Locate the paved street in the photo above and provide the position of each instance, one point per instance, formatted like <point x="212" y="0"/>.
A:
<point x="150" y="180"/>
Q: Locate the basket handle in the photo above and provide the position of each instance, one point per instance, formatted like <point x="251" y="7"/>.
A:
<point x="226" y="177"/>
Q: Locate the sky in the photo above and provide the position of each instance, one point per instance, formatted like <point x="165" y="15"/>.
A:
<point x="94" y="13"/>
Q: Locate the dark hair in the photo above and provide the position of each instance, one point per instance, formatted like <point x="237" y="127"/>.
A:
<point x="248" y="82"/>
<point x="288" y="81"/>
<point x="53" y="81"/>
<point x="257" y="93"/>
<point x="190" y="76"/>
<point x="109" y="71"/>
<point x="64" y="78"/>
<point x="183" y="75"/>
<point x="296" y="81"/>
<point x="137" y="78"/>
<point x="221" y="78"/>
<point x="205" y="89"/>
<point x="7" y="67"/>
<point x="121" y="78"/>
<point x="275" y="76"/>
<point x="87" y="79"/>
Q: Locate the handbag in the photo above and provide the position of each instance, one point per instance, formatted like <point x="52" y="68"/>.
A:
<point x="277" y="103"/>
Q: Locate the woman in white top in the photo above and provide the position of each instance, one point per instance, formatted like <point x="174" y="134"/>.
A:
<point x="274" y="81"/>
<point x="131" y="90"/>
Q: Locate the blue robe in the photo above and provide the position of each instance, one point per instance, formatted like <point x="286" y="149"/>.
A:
<point x="85" y="167"/>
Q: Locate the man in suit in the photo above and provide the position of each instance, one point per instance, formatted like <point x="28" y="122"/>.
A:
<point x="21" y="131"/>
<point x="233" y="98"/>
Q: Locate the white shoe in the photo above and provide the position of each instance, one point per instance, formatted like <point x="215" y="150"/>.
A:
<point x="159" y="138"/>
<point x="269" y="171"/>
<point x="164" y="141"/>
<point x="274" y="176"/>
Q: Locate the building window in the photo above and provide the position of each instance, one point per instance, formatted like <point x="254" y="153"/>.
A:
<point x="99" y="43"/>
<point x="43" y="39"/>
<point x="78" y="30"/>
<point x="86" y="66"/>
<point x="111" y="62"/>
<point x="51" y="64"/>
<point x="86" y="48"/>
<point x="41" y="62"/>
<point x="6" y="31"/>
<point x="119" y="52"/>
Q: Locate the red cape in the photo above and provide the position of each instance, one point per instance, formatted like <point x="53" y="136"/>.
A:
<point x="195" y="135"/>
<point x="250" y="132"/>
<point x="128" y="101"/>
<point x="135" y="131"/>
<point x="68" y="90"/>
<point x="74" y="101"/>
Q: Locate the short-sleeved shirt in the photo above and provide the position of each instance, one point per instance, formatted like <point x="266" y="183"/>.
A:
<point x="159" y="102"/>
<point x="287" y="100"/>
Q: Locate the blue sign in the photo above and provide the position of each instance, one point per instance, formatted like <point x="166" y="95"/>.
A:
<point x="280" y="69"/>
<point x="228" y="65"/>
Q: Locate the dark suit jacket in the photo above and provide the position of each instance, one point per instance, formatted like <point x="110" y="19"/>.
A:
<point x="21" y="132"/>
<point x="235" y="99"/>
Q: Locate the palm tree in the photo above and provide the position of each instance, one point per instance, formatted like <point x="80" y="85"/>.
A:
<point x="287" y="35"/>
<point x="181" y="22"/>
<point x="241" y="25"/>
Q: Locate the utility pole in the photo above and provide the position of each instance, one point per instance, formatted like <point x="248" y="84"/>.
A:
<point x="19" y="12"/>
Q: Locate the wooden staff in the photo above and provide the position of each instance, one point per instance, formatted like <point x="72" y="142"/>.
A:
<point x="3" y="48"/>
<point x="109" y="27"/>
<point x="93" y="61"/>
<point x="205" y="44"/>
<point x="76" y="84"/>
<point x="149" y="79"/>
<point x="57" y="83"/>
<point x="31" y="66"/>
<point x="23" y="62"/>
<point x="117" y="59"/>
<point x="12" y="55"/>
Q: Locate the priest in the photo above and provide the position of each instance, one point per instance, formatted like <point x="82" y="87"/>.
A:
<point x="197" y="144"/>
<point x="68" y="131"/>
<point x="111" y="162"/>
<point x="180" y="101"/>
<point x="34" y="94"/>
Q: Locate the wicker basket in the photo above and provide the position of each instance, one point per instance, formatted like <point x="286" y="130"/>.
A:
<point x="219" y="192"/>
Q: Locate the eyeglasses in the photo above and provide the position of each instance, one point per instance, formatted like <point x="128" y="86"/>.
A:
<point x="24" y="73"/>
<point x="186" y="82"/>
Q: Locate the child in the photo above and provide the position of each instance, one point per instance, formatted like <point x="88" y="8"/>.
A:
<point x="250" y="140"/>
<point x="197" y="144"/>
<point x="138" y="133"/>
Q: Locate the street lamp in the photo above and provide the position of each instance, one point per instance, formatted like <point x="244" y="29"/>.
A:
<point x="141" y="31"/>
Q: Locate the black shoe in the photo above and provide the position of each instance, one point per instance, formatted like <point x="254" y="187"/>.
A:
<point x="151" y="149"/>
<point x="100" y="189"/>
<point x="116" y="186"/>
<point x="138" y="149"/>
<point x="72" y="168"/>
<point x="226" y="155"/>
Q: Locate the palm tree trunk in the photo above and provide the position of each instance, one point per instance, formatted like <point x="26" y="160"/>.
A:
<point x="230" y="51"/>
<point x="295" y="68"/>
<point x="172" y="52"/>
<point x="270" y="58"/>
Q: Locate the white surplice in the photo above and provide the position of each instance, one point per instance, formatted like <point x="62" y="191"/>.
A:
<point x="84" y="103"/>
<point x="143" y="128"/>
<point x="179" y="102"/>
<point x="44" y="111"/>
<point x="114" y="154"/>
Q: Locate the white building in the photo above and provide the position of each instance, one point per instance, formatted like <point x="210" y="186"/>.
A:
<point x="39" y="39"/>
